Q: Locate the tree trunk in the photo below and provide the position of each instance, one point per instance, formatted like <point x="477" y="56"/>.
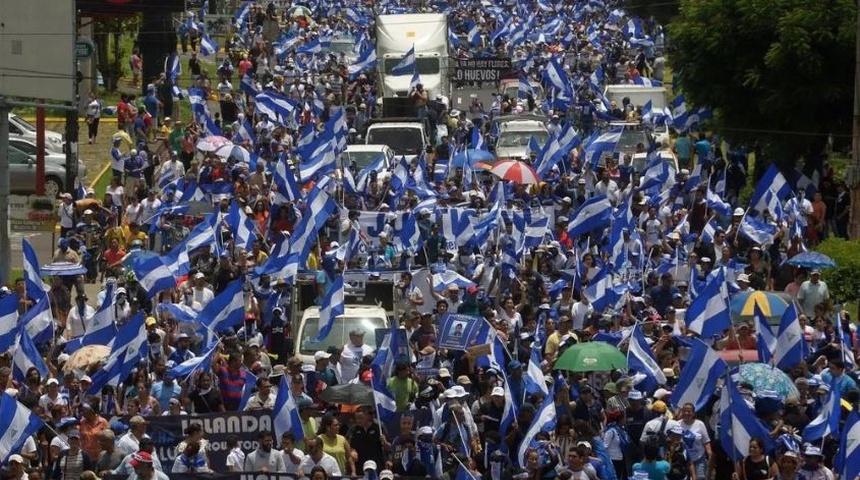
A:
<point x="102" y="41"/>
<point x="157" y="40"/>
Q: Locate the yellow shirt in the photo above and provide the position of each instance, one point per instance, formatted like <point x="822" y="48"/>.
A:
<point x="314" y="261"/>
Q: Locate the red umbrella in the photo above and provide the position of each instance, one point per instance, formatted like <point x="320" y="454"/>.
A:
<point x="515" y="171"/>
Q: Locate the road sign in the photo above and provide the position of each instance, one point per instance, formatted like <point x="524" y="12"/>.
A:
<point x="32" y="213"/>
<point x="84" y="48"/>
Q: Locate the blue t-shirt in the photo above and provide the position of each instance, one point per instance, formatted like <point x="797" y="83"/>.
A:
<point x="151" y="104"/>
<point x="656" y="470"/>
<point x="684" y="147"/>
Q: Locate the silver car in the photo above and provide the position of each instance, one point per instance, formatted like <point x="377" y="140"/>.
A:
<point x="22" y="169"/>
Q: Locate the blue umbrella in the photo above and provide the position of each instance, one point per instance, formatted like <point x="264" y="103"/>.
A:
<point x="811" y="260"/>
<point x="471" y="155"/>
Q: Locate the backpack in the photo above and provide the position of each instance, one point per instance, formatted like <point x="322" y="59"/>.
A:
<point x="678" y="465"/>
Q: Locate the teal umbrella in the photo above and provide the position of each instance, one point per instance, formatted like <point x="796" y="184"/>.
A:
<point x="765" y="377"/>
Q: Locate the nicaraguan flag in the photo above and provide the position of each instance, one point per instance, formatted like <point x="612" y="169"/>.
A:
<point x="407" y="64"/>
<point x="312" y="47"/>
<point x="847" y="462"/>
<point x="203" y="363"/>
<point x="413" y="83"/>
<point x="716" y="203"/>
<point x="827" y="421"/>
<point x="285" y="414"/>
<point x="543" y="421"/>
<point x="738" y="423"/>
<point x="243" y="228"/>
<point x="8" y="321"/>
<point x="534" y="375"/>
<point x="765" y="339"/>
<point x="17" y="423"/>
<point x="318" y="208"/>
<point x="39" y="321"/>
<point x="699" y="377"/>
<point x="36" y="288"/>
<point x="708" y="314"/>
<point x="603" y="144"/>
<point x="772" y="181"/>
<point x="641" y="359"/>
<point x="602" y="290"/>
<point x="128" y="347"/>
<point x="592" y="215"/>
<point x="208" y="46"/>
<point x="225" y="311"/>
<point x="647" y="82"/>
<point x="26" y="356"/>
<point x="173" y="67"/>
<point x="332" y="307"/>
<point x="556" y="76"/>
<point x="366" y="61"/>
<point x="757" y="230"/>
<point x="474" y="35"/>
<point x="791" y="346"/>
<point x="101" y="330"/>
<point x="287" y="187"/>
<point x="151" y="272"/>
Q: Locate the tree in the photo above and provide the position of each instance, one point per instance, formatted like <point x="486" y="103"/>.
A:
<point x="110" y="54"/>
<point x="661" y="10"/>
<point x="776" y="72"/>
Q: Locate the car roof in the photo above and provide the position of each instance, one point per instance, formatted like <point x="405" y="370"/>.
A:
<point x="523" y="126"/>
<point x="366" y="148"/>
<point x="397" y="124"/>
<point x="518" y="118"/>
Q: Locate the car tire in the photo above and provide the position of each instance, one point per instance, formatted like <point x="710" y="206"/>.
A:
<point x="53" y="187"/>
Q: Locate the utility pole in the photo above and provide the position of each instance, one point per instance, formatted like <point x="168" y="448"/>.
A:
<point x="854" y="172"/>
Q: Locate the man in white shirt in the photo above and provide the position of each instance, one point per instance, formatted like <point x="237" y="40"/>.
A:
<point x="130" y="442"/>
<point x="352" y="354"/>
<point x="52" y="396"/>
<point x="812" y="292"/>
<point x="201" y="292"/>
<point x="80" y="316"/>
<point x="293" y="457"/>
<point x="317" y="458"/>
<point x="148" y="207"/>
<point x="263" y="459"/>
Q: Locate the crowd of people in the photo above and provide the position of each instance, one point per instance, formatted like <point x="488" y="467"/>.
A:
<point x="539" y="289"/>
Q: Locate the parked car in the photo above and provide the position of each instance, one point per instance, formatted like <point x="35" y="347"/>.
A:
<point x="22" y="169"/>
<point x="20" y="128"/>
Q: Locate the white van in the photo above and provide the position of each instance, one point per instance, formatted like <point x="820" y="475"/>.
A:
<point x="366" y="318"/>
<point x="514" y="138"/>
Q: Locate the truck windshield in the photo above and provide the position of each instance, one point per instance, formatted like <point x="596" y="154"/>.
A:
<point x="403" y="140"/>
<point x="339" y="335"/>
<point x="521" y="139"/>
<point x="363" y="159"/>
<point x="426" y="65"/>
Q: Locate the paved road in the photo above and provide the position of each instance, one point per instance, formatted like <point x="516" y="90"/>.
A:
<point x="43" y="244"/>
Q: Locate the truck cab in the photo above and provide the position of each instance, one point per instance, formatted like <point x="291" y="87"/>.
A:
<point x="369" y="305"/>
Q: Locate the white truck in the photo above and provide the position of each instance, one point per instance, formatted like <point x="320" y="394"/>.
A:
<point x="396" y="35"/>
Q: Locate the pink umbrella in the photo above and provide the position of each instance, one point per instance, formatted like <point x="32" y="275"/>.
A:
<point x="212" y="143"/>
<point x="515" y="171"/>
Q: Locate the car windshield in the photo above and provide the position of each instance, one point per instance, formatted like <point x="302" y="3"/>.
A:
<point x="362" y="159"/>
<point x="630" y="138"/>
<point x="29" y="126"/>
<point x="426" y="65"/>
<point x="339" y="335"/>
<point x="342" y="47"/>
<point x="403" y="140"/>
<point x="521" y="139"/>
<point x="25" y="147"/>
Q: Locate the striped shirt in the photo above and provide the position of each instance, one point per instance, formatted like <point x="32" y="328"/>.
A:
<point x="231" y="387"/>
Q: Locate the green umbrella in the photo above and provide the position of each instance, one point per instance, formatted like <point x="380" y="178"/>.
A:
<point x="591" y="357"/>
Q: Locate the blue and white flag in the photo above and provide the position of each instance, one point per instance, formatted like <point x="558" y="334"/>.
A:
<point x="208" y="46"/>
<point x="249" y="87"/>
<point x="641" y="359"/>
<point x="151" y="272"/>
<point x="603" y="290"/>
<point x="699" y="376"/>
<point x="827" y="421"/>
<point x="534" y="375"/>
<point x="39" y="321"/>
<point x="225" y="311"/>
<point x="847" y="462"/>
<point x="543" y="421"/>
<point x="415" y="81"/>
<point x="25" y="357"/>
<point x="8" y="321"/>
<point x="321" y="160"/>
<point x="366" y="61"/>
<point x="276" y="106"/>
<point x="739" y="423"/>
<point x="556" y="76"/>
<point x="757" y="230"/>
<point x="17" y="423"/>
<point x="319" y="207"/>
<point x="173" y="67"/>
<point x="285" y="414"/>
<point x="474" y="35"/>
<point x="406" y="65"/>
<point x="524" y="89"/>
<point x="772" y="181"/>
<point x="593" y="214"/>
<point x="717" y="204"/>
<point x="332" y="307"/>
<point x="36" y="288"/>
<point x="243" y="228"/>
<point x="203" y="363"/>
<point x="385" y="404"/>
<point x="708" y="314"/>
<point x="603" y="144"/>
<point x="128" y="348"/>
<point x="101" y="330"/>
<point x="791" y="346"/>
<point x="647" y="82"/>
<point x="765" y="339"/>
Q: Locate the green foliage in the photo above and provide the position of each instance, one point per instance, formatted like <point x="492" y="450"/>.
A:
<point x="781" y="66"/>
<point x="843" y="281"/>
<point x="662" y="10"/>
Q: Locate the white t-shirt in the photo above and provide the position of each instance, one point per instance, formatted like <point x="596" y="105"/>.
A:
<point x="289" y="466"/>
<point x="327" y="462"/>
<point x="236" y="460"/>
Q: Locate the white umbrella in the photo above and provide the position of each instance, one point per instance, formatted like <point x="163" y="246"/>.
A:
<point x="235" y="151"/>
<point x="212" y="143"/>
